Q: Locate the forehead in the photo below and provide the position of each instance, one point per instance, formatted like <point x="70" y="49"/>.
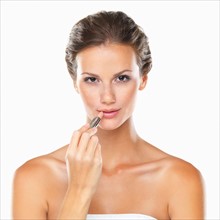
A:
<point x="109" y="57"/>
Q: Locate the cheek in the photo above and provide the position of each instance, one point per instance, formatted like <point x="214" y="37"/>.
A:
<point x="128" y="93"/>
<point x="89" y="95"/>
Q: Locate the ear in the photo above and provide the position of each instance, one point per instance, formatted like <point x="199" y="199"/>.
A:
<point x="76" y="87"/>
<point x="143" y="82"/>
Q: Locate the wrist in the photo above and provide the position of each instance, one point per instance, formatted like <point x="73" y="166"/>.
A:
<point x="81" y="194"/>
<point x="76" y="204"/>
<point x="77" y="190"/>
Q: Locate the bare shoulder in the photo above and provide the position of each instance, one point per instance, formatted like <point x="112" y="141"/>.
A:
<point x="34" y="183"/>
<point x="172" y="166"/>
<point x="41" y="168"/>
<point x="179" y="170"/>
<point x="173" y="171"/>
<point x="181" y="185"/>
<point x="42" y="164"/>
<point x="184" y="188"/>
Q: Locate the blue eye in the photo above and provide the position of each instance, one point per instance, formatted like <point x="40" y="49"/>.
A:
<point x="90" y="79"/>
<point x="123" y="78"/>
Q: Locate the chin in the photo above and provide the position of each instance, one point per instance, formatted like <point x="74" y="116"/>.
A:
<point x="110" y="126"/>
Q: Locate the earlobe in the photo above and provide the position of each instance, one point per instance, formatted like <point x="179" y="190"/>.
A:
<point x="143" y="82"/>
<point x="76" y="88"/>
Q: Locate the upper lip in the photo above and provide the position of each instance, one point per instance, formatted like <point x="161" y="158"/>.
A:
<point x="108" y="110"/>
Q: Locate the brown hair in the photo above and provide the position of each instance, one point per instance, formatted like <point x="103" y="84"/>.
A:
<point x="107" y="27"/>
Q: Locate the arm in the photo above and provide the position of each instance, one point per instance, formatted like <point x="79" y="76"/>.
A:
<point x="84" y="166"/>
<point x="28" y="193"/>
<point x="187" y="198"/>
<point x="32" y="181"/>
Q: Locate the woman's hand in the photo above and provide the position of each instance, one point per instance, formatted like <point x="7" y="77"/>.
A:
<point x="84" y="160"/>
<point x="84" y="167"/>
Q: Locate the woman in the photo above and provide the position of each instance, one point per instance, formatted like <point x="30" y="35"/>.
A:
<point x="108" y="170"/>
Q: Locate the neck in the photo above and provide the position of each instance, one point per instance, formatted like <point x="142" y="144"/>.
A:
<point x="119" y="146"/>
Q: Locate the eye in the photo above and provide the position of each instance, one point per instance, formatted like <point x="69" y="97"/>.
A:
<point x="123" y="78"/>
<point x="90" y="79"/>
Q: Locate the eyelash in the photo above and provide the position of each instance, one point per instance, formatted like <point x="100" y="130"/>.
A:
<point x="93" y="80"/>
<point x="90" y="79"/>
<point x="126" y="77"/>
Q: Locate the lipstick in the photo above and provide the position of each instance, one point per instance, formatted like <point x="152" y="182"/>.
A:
<point x="95" y="121"/>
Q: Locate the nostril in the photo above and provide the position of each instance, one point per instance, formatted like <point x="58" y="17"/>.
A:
<point x="107" y="97"/>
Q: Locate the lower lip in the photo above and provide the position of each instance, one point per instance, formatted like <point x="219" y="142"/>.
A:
<point x="110" y="115"/>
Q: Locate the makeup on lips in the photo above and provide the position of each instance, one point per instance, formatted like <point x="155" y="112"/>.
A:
<point x="108" y="114"/>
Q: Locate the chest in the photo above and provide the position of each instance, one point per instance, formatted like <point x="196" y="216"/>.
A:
<point x="123" y="192"/>
<point x="126" y="193"/>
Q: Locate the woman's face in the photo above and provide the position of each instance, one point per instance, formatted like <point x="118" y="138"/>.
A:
<point x="108" y="79"/>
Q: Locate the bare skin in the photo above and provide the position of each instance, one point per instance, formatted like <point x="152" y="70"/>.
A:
<point x="110" y="169"/>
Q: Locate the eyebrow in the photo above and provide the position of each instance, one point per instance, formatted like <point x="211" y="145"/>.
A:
<point x="115" y="75"/>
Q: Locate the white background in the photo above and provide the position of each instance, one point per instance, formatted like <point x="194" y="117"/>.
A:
<point x="177" y="112"/>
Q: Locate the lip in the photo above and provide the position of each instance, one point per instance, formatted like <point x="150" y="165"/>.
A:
<point x="110" y="113"/>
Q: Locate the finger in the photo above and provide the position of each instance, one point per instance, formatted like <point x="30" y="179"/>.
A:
<point x="85" y="138"/>
<point x="98" y="154"/>
<point x="89" y="132"/>
<point x="92" y="145"/>
<point x="84" y="128"/>
<point x="74" y="141"/>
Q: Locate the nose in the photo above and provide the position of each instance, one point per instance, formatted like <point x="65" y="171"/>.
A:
<point x="107" y="95"/>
